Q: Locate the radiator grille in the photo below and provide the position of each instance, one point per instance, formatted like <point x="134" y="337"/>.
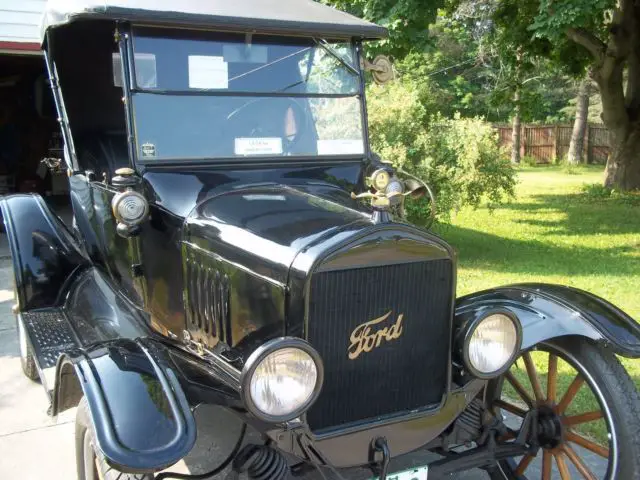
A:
<point x="207" y="298"/>
<point x="399" y="375"/>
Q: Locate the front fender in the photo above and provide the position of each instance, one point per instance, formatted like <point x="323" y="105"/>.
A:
<point x="549" y="311"/>
<point x="141" y="416"/>
<point x="43" y="251"/>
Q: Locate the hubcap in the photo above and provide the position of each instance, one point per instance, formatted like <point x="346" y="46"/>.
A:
<point x="550" y="429"/>
<point x="571" y="415"/>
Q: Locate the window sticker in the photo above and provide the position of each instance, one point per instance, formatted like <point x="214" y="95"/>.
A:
<point x="208" y="72"/>
<point x="258" y="146"/>
<point x="340" y="147"/>
<point x="148" y="150"/>
<point x="146" y="71"/>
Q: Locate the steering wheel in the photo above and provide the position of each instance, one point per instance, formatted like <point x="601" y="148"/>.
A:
<point x="255" y="119"/>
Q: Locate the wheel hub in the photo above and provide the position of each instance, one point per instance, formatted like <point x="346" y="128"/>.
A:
<point x="550" y="428"/>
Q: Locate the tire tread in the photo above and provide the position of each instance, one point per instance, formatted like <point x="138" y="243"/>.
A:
<point x="83" y="422"/>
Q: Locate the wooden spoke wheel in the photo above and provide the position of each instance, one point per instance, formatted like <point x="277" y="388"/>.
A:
<point x="587" y="411"/>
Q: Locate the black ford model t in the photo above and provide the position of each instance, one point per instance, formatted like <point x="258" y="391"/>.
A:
<point x="233" y="244"/>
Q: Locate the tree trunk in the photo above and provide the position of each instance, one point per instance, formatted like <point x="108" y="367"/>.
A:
<point x="580" y="123"/>
<point x="515" y="132"/>
<point x="623" y="164"/>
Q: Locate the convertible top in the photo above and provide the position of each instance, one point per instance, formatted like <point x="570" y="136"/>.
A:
<point x="297" y="17"/>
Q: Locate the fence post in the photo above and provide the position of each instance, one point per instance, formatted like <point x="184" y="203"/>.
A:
<point x="587" y="147"/>
<point x="556" y="132"/>
<point x="523" y="141"/>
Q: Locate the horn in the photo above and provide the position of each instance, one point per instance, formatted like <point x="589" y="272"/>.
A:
<point x="415" y="188"/>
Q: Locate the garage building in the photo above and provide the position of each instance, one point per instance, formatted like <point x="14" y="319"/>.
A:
<point x="29" y="131"/>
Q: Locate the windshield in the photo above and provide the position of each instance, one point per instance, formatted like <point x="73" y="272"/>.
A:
<point x="202" y="95"/>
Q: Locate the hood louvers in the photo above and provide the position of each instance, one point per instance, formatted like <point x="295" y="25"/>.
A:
<point x="206" y="298"/>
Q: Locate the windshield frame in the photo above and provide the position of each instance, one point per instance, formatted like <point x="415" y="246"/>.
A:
<point x="130" y="88"/>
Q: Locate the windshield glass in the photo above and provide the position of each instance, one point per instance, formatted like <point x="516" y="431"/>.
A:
<point x="201" y="95"/>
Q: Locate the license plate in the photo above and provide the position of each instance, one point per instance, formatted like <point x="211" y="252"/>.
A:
<point x="419" y="473"/>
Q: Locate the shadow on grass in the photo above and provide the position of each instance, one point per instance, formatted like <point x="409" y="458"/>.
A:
<point x="583" y="215"/>
<point x="480" y="250"/>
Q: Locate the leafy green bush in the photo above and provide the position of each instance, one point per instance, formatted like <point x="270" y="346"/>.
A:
<point x="598" y="193"/>
<point x="459" y="158"/>
<point x="529" y="161"/>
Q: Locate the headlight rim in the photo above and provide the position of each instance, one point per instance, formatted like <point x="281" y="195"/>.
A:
<point x="254" y="361"/>
<point x="469" y="330"/>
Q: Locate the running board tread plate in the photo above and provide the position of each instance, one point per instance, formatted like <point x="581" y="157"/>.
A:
<point x="50" y="336"/>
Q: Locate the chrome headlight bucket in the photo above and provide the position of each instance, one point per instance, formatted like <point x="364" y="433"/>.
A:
<point x="282" y="379"/>
<point x="491" y="343"/>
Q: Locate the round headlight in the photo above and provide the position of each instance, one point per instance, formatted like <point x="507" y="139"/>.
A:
<point x="130" y="207"/>
<point x="492" y="345"/>
<point x="380" y="179"/>
<point x="282" y="380"/>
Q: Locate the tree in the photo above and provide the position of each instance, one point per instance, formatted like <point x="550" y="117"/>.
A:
<point x="580" y="124"/>
<point x="407" y="20"/>
<point x="605" y="36"/>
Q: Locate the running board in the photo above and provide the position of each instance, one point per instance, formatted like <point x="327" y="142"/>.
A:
<point x="50" y="335"/>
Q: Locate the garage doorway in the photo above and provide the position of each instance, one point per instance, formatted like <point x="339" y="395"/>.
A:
<point x="30" y="137"/>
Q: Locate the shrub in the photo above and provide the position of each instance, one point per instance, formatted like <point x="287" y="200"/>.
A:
<point x="529" y="161"/>
<point x="459" y="158"/>
<point x="598" y="193"/>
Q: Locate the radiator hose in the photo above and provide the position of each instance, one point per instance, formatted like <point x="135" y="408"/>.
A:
<point x="261" y="462"/>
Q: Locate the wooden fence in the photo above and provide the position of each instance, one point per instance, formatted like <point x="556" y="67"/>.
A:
<point x="548" y="143"/>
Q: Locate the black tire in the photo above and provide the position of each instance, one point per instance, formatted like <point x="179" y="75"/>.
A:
<point x="27" y="362"/>
<point x="620" y="410"/>
<point x="89" y="459"/>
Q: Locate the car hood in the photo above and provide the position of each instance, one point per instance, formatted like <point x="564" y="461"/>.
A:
<point x="262" y="229"/>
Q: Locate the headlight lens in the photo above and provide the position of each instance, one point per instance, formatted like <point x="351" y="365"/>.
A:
<point x="380" y="179"/>
<point x="283" y="382"/>
<point x="130" y="207"/>
<point x="493" y="344"/>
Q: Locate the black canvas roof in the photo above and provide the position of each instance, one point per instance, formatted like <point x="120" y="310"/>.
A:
<point x="297" y="17"/>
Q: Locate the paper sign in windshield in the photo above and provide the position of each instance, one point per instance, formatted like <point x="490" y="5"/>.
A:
<point x="258" y="146"/>
<point x="208" y="72"/>
<point x="340" y="147"/>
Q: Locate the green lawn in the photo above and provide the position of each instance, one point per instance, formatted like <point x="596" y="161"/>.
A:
<point x="553" y="233"/>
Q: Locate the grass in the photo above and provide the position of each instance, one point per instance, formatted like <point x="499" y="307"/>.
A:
<point x="554" y="233"/>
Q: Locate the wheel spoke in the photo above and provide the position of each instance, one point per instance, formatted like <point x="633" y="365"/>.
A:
<point x="552" y="378"/>
<point x="546" y="465"/>
<point x="570" y="393"/>
<point x="524" y="464"/>
<point x="562" y="467"/>
<point x="533" y="376"/>
<point x="510" y="408"/>
<point x="588" y="444"/>
<point x="519" y="388"/>
<point x="577" y="461"/>
<point x="582" y="418"/>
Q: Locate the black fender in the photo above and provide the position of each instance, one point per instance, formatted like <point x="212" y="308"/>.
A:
<point x="550" y="311"/>
<point x="43" y="251"/>
<point x="142" y="419"/>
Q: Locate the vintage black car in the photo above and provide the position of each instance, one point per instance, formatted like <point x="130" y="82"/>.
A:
<point x="234" y="243"/>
